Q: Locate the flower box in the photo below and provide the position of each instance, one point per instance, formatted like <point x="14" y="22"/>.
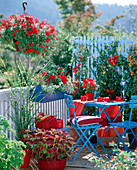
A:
<point x="46" y="123"/>
<point x="38" y="95"/>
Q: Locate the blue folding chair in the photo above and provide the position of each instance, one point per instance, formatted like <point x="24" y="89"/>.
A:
<point x="85" y="127"/>
<point x="127" y="125"/>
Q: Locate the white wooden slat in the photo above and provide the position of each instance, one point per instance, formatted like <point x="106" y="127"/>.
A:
<point x="123" y="45"/>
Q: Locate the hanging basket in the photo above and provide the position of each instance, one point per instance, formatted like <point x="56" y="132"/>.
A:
<point x="52" y="165"/>
<point x="38" y="95"/>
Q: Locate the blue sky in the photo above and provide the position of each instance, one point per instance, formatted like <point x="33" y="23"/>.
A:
<point x="119" y="2"/>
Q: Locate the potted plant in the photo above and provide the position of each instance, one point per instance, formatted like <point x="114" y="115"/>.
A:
<point x="11" y="152"/>
<point x="51" y="84"/>
<point x="89" y="86"/>
<point x="50" y="147"/>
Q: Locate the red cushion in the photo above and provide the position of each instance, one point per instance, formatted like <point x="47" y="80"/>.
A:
<point x="78" y="109"/>
<point x="86" y="120"/>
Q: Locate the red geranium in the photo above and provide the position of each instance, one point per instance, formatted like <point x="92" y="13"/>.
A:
<point x="89" y="85"/>
<point x="55" y="80"/>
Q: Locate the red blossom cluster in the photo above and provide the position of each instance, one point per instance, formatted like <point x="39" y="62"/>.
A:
<point x="109" y="92"/>
<point x="89" y="85"/>
<point x="113" y="61"/>
<point x="27" y="32"/>
<point x="76" y="83"/>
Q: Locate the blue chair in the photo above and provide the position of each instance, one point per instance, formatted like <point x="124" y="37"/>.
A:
<point x="127" y="125"/>
<point x="85" y="127"/>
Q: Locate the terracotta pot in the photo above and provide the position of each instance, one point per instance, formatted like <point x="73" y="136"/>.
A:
<point x="90" y="96"/>
<point x="26" y="159"/>
<point x="130" y="137"/>
<point x="52" y="165"/>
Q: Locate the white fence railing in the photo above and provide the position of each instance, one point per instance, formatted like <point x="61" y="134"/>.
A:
<point x="57" y="107"/>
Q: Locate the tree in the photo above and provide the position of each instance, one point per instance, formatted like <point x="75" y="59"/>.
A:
<point x="77" y="15"/>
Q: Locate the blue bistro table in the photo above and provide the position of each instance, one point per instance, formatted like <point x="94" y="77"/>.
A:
<point x="103" y="105"/>
<point x="102" y="108"/>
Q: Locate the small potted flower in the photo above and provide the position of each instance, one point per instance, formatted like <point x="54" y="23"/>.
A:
<point x="89" y="86"/>
<point x="51" y="84"/>
<point x="50" y="147"/>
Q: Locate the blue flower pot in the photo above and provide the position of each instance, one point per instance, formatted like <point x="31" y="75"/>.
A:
<point x="38" y="95"/>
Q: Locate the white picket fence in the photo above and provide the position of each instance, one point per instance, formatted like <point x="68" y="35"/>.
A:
<point x="57" y="107"/>
<point x="94" y="41"/>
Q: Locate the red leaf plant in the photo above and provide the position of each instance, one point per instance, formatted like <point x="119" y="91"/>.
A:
<point x="48" y="144"/>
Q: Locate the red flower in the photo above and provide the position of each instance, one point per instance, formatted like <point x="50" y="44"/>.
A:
<point x="114" y="64"/>
<point x="64" y="79"/>
<point x="59" y="68"/>
<point x="17" y="42"/>
<point x="111" y="62"/>
<point x="36" y="52"/>
<point x="31" y="45"/>
<point x="40" y="46"/>
<point x="52" y="77"/>
<point x="42" y="54"/>
<point x="47" y="33"/>
<point x="44" y="73"/>
<point x="85" y="81"/>
<point x="28" y="33"/>
<point x="84" y="85"/>
<point x="115" y="61"/>
<point x="112" y="91"/>
<point x="107" y="90"/>
<point x="115" y="56"/>
<point x="47" y="39"/>
<point x="109" y="59"/>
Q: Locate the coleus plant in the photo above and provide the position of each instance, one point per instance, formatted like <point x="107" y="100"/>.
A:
<point x="48" y="144"/>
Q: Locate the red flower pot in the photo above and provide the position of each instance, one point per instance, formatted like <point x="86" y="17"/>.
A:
<point x="59" y="123"/>
<point x="90" y="96"/>
<point x="26" y="159"/>
<point x="46" y="124"/>
<point x="59" y="164"/>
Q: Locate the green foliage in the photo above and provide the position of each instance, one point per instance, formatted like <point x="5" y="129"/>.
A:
<point x="121" y="161"/>
<point x="62" y="55"/>
<point x="131" y="73"/>
<point x="10" y="151"/>
<point x="78" y="15"/>
<point x="108" y="69"/>
<point x="20" y="83"/>
<point x="108" y="29"/>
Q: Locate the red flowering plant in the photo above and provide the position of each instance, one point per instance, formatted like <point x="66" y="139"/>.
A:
<point x="89" y="85"/>
<point x="109" y="68"/>
<point x="27" y="34"/>
<point x="54" y="78"/>
<point x="48" y="144"/>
